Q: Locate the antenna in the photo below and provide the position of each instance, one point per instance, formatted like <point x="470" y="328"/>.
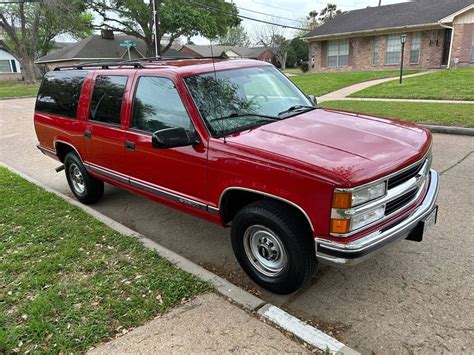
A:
<point x="213" y="61"/>
<point x="214" y="67"/>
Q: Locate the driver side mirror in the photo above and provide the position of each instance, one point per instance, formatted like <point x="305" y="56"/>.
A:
<point x="173" y="137"/>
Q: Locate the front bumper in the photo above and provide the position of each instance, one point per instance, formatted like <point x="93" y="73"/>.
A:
<point x="332" y="252"/>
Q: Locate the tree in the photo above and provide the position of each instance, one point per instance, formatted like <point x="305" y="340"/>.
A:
<point x="297" y="52"/>
<point x="176" y="18"/>
<point x="312" y="19"/>
<point x="329" y="12"/>
<point x="272" y="37"/>
<point x="30" y="27"/>
<point x="235" y="36"/>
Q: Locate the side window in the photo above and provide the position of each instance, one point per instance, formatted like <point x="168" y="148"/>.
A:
<point x="158" y="105"/>
<point x="106" y="103"/>
<point x="59" y="93"/>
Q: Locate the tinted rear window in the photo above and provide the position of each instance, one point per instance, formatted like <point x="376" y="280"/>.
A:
<point x="59" y="92"/>
<point x="106" y="103"/>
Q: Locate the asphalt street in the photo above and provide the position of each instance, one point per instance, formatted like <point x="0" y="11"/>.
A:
<point x="413" y="297"/>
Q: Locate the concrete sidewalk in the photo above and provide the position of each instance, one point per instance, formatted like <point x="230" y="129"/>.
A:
<point x="206" y="324"/>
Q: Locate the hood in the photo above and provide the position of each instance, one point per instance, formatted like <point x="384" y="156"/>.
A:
<point x="349" y="148"/>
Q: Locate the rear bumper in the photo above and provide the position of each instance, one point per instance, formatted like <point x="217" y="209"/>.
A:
<point x="354" y="252"/>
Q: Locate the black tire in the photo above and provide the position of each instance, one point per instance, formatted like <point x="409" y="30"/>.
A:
<point x="86" y="188"/>
<point x="261" y="222"/>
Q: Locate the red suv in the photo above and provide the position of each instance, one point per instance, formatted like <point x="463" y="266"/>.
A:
<point x="236" y="143"/>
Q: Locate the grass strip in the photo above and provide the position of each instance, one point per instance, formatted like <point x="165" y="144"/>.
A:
<point x="67" y="281"/>
<point x="461" y="115"/>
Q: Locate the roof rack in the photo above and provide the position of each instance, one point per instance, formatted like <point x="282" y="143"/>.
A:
<point x="136" y="63"/>
<point x="165" y="58"/>
<point x="103" y="65"/>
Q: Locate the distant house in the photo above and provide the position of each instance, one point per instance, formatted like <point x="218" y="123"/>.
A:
<point x="231" y="52"/>
<point x="440" y="34"/>
<point x="97" y="48"/>
<point x="9" y="64"/>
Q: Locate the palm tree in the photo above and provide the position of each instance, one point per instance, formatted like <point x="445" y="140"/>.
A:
<point x="313" y="20"/>
<point x="329" y="12"/>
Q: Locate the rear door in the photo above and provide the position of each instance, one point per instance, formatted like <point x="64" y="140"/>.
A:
<point x="157" y="104"/>
<point x="104" y="136"/>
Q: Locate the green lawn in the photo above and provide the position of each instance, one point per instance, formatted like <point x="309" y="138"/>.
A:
<point x="430" y="113"/>
<point x="322" y="83"/>
<point x="67" y="281"/>
<point x="17" y="88"/>
<point x="457" y="84"/>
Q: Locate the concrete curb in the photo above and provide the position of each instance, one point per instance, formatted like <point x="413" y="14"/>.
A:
<point x="275" y="315"/>
<point x="308" y="333"/>
<point x="17" y="97"/>
<point x="451" y="130"/>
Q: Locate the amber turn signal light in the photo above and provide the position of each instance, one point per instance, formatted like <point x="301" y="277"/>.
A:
<point x="340" y="226"/>
<point x="342" y="200"/>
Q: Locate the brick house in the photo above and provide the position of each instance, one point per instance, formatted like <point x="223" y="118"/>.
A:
<point x="231" y="52"/>
<point x="440" y="34"/>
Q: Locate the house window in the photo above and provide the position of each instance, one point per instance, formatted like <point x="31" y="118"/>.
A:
<point x="375" y="51"/>
<point x="415" y="48"/>
<point x="5" y="66"/>
<point x="338" y="53"/>
<point x="393" y="51"/>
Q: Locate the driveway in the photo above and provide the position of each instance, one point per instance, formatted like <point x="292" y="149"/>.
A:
<point x="414" y="297"/>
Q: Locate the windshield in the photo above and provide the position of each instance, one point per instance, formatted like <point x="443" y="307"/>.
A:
<point x="231" y="101"/>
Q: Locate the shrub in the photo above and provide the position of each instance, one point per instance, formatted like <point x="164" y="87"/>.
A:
<point x="304" y="67"/>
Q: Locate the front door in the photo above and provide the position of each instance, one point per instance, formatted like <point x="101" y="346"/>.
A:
<point x="446" y="46"/>
<point x="170" y="173"/>
<point x="104" y="136"/>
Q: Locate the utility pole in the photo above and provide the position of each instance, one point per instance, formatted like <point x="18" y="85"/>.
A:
<point x="156" y="23"/>
<point x="380" y="3"/>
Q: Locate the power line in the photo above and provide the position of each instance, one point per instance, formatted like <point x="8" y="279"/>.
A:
<point x="263" y="13"/>
<point x="280" y="8"/>
<point x="213" y="9"/>
<point x="304" y="12"/>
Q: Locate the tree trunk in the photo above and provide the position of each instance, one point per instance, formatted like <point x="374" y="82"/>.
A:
<point x="28" y="69"/>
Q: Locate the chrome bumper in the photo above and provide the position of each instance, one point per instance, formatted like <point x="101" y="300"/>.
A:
<point x="331" y="252"/>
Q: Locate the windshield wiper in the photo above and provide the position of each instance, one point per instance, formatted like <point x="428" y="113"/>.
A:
<point x="297" y="108"/>
<point x="245" y="114"/>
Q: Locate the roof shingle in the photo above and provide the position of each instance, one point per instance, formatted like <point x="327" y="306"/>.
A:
<point x="96" y="47"/>
<point x="418" y="12"/>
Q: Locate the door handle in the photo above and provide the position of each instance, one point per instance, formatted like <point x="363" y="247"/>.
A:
<point x="129" y="145"/>
<point x="87" y="134"/>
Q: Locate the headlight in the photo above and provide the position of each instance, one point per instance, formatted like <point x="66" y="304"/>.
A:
<point x="346" y="199"/>
<point x="357" y="197"/>
<point x="365" y="218"/>
<point x="371" y="193"/>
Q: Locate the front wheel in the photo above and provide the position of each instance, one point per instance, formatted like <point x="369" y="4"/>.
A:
<point x="86" y="188"/>
<point x="274" y="246"/>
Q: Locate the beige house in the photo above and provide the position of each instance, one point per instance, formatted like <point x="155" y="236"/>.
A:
<point x="440" y="34"/>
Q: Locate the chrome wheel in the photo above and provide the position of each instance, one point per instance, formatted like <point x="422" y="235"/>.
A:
<point x="265" y="250"/>
<point x="77" y="179"/>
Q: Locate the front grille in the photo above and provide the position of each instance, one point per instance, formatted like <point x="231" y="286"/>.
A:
<point x="399" y="202"/>
<point x="404" y="176"/>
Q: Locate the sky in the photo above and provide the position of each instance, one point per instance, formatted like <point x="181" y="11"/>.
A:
<point x="291" y="10"/>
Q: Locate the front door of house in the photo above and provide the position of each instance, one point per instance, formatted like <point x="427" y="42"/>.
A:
<point x="446" y="46"/>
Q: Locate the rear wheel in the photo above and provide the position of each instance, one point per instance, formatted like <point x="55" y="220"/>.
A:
<point x="274" y="246"/>
<point x="86" y="188"/>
